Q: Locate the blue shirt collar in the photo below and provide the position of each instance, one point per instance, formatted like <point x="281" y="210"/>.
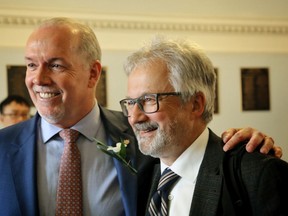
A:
<point x="87" y="126"/>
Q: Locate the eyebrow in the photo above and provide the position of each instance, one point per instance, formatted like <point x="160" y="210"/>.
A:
<point x="49" y="60"/>
<point x="146" y="93"/>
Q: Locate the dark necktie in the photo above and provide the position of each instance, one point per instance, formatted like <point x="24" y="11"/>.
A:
<point x="159" y="202"/>
<point x="69" y="190"/>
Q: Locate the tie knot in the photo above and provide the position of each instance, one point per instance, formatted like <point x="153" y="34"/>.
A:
<point x="69" y="135"/>
<point x="168" y="178"/>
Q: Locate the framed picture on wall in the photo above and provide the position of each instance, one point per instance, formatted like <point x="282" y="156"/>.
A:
<point x="255" y="89"/>
<point x="16" y="84"/>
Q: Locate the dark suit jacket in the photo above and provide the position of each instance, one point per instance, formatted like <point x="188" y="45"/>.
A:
<point x="265" y="178"/>
<point x="18" y="178"/>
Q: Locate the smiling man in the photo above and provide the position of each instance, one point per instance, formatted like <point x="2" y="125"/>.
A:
<point x="63" y="68"/>
<point x="53" y="73"/>
<point x="171" y="91"/>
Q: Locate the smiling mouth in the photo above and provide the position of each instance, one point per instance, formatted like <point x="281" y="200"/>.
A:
<point x="150" y="129"/>
<point x="47" y="95"/>
<point x="147" y="129"/>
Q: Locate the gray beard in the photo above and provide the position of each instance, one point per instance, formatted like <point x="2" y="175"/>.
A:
<point x="156" y="146"/>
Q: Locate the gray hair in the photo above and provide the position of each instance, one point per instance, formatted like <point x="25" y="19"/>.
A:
<point x="191" y="71"/>
<point x="88" y="43"/>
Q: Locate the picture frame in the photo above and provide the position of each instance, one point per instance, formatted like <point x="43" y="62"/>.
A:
<point x="16" y="82"/>
<point x="255" y="89"/>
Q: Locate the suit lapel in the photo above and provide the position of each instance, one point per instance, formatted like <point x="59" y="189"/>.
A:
<point x="117" y="130"/>
<point x="22" y="154"/>
<point x="209" y="181"/>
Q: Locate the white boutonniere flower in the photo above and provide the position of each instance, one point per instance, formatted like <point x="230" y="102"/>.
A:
<point x="118" y="152"/>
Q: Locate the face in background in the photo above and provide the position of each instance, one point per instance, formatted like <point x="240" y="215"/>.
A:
<point x="14" y="113"/>
<point x="162" y="134"/>
<point x="60" y="81"/>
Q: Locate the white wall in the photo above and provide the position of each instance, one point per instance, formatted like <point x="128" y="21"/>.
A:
<point x="273" y="122"/>
<point x="228" y="51"/>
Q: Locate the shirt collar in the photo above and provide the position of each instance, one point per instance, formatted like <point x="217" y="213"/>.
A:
<point x="193" y="156"/>
<point x="86" y="126"/>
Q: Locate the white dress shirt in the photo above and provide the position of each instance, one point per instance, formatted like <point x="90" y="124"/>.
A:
<point x="187" y="167"/>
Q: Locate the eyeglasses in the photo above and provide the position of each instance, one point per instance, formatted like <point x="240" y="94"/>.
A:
<point x="17" y="115"/>
<point x="148" y="103"/>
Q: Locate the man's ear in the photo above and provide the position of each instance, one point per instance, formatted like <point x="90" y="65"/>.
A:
<point x="95" y="73"/>
<point x="198" y="103"/>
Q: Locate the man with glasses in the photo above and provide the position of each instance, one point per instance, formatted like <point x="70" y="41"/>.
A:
<point x="14" y="109"/>
<point x="171" y="91"/>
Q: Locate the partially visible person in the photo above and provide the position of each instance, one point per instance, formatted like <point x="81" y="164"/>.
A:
<point x="170" y="101"/>
<point x="13" y="109"/>
<point x="63" y="60"/>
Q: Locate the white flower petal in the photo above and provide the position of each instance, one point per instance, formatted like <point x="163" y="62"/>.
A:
<point x="116" y="149"/>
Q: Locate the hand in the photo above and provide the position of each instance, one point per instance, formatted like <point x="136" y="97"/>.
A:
<point x="232" y="137"/>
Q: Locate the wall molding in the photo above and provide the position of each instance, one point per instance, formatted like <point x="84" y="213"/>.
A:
<point x="161" y="25"/>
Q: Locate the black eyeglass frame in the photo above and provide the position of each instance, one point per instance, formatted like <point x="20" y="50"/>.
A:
<point x="137" y="101"/>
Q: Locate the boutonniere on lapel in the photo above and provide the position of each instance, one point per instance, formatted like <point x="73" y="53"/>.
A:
<point x="118" y="152"/>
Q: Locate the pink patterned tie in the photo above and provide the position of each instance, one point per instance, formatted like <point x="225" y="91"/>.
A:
<point x="69" y="191"/>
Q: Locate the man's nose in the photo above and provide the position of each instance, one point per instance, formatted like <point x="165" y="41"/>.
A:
<point x="42" y="76"/>
<point x="136" y="115"/>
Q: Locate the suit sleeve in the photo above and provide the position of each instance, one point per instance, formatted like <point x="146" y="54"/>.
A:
<point x="266" y="180"/>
